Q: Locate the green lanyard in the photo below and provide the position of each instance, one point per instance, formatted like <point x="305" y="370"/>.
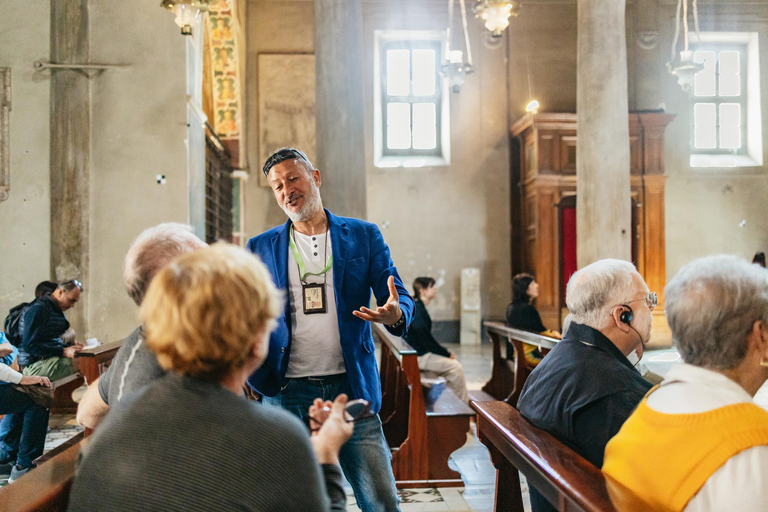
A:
<point x="300" y="262"/>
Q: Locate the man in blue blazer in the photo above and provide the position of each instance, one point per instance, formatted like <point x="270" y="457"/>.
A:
<point x="323" y="344"/>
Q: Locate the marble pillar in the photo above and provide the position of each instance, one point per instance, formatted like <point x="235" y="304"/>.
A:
<point x="340" y="125"/>
<point x="70" y="150"/>
<point x="603" y="210"/>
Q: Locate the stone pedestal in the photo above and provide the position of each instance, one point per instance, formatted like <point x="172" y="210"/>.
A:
<point x="340" y="125"/>
<point x="602" y="150"/>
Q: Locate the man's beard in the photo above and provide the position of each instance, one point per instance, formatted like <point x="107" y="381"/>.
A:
<point x="312" y="203"/>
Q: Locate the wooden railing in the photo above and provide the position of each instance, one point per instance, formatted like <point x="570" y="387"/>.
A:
<point x="423" y="427"/>
<point x="565" y="479"/>
<point x="508" y="376"/>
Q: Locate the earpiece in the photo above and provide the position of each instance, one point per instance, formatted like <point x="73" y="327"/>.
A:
<point x="627" y="315"/>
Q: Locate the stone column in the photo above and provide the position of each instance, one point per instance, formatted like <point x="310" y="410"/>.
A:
<point x="339" y="85"/>
<point x="70" y="150"/>
<point x="603" y="209"/>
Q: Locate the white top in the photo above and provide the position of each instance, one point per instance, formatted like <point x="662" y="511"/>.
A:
<point x="315" y="340"/>
<point x="737" y="484"/>
<point x="8" y="374"/>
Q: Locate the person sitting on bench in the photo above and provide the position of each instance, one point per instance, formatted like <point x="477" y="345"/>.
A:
<point x="44" y="350"/>
<point x="434" y="360"/>
<point x="522" y="315"/>
<point x="190" y="440"/>
<point x="23" y="428"/>
<point x="698" y="442"/>
<point x="586" y="387"/>
<point x="134" y="365"/>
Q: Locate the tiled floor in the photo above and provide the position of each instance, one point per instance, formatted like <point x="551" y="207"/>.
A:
<point x="60" y="428"/>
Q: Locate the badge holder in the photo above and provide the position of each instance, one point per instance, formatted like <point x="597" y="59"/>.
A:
<point x="314" y="298"/>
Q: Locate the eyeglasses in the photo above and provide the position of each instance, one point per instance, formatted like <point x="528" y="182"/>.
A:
<point x="650" y="300"/>
<point x="281" y="155"/>
<point x="355" y="410"/>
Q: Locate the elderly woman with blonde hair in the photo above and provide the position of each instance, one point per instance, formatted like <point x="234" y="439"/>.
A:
<point x="190" y="441"/>
<point x="698" y="442"/>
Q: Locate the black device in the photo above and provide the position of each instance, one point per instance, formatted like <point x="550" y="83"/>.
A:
<point x="627" y="315"/>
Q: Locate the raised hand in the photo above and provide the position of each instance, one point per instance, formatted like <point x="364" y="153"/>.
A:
<point x="387" y="314"/>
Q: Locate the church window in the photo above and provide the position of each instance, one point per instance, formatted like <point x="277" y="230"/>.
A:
<point x="725" y="105"/>
<point x="410" y="118"/>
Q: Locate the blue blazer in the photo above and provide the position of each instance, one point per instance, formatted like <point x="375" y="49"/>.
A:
<point x="361" y="262"/>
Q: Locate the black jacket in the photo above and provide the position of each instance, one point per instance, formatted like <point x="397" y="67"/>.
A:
<point x="41" y="329"/>
<point x="522" y="315"/>
<point x="582" y="392"/>
<point x="420" y="333"/>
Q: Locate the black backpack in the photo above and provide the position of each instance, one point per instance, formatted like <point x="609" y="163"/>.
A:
<point x="12" y="323"/>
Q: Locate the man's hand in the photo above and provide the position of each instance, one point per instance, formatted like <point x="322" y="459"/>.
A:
<point x="32" y="380"/>
<point x="453" y="356"/>
<point x="72" y="351"/>
<point x="335" y="430"/>
<point x="5" y="349"/>
<point x="388" y="314"/>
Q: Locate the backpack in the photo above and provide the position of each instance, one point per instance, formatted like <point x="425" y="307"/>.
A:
<point x="12" y="322"/>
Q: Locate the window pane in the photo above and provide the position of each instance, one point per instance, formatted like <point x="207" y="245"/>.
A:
<point x="424" y="126"/>
<point x="398" y="72"/>
<point x="704" y="126"/>
<point x="730" y="126"/>
<point x="423" y="73"/>
<point x="398" y="126"/>
<point x="730" y="79"/>
<point x="704" y="81"/>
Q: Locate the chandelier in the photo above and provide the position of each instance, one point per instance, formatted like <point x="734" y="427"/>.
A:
<point x="186" y="12"/>
<point x="685" y="69"/>
<point x="495" y="14"/>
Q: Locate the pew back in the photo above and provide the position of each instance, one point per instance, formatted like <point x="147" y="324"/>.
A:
<point x="567" y="480"/>
<point x="508" y="376"/>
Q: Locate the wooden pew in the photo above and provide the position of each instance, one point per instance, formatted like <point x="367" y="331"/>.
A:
<point x="565" y="479"/>
<point x="95" y="361"/>
<point x="423" y="426"/>
<point x="46" y="489"/>
<point x="92" y="363"/>
<point x="508" y="377"/>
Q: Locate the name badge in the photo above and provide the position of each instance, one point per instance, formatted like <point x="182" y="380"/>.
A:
<point x="314" y="298"/>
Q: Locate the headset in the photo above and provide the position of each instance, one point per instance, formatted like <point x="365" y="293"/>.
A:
<point x="626" y="317"/>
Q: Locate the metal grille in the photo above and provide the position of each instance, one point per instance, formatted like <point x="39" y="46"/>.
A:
<point x="218" y="190"/>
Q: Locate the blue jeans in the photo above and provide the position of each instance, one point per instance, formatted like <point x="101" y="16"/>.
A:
<point x="23" y="428"/>
<point x="365" y="459"/>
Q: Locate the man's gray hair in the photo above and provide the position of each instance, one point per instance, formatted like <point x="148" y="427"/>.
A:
<point x="151" y="251"/>
<point x="711" y="306"/>
<point x="596" y="289"/>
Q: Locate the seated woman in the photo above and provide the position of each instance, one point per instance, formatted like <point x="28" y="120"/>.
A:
<point x="23" y="428"/>
<point x="434" y="359"/>
<point x="522" y="315"/>
<point x="698" y="442"/>
<point x="190" y="440"/>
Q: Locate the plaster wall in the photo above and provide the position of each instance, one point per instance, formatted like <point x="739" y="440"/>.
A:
<point x="436" y="220"/>
<point x="139" y="127"/>
<point x="25" y="216"/>
<point x="704" y="207"/>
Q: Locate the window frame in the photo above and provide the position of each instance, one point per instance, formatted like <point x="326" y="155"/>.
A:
<point x="717" y="100"/>
<point x="411" y="99"/>
<point x="751" y="151"/>
<point x="384" y="158"/>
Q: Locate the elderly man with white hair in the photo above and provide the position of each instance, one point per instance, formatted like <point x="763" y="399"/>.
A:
<point x="586" y="387"/>
<point x="698" y="442"/>
<point x="134" y="365"/>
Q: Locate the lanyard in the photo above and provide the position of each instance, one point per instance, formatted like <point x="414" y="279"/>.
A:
<point x="300" y="262"/>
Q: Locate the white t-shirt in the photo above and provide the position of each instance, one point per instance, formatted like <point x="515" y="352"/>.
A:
<point x="315" y="340"/>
